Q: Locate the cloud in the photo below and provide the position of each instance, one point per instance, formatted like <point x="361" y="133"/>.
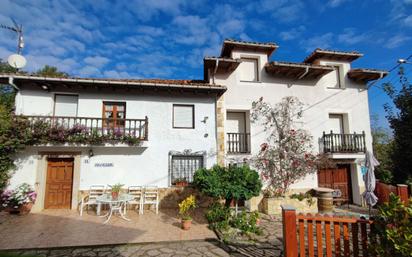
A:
<point x="88" y="71"/>
<point x="96" y="61"/>
<point x="351" y="37"/>
<point x="335" y="3"/>
<point x="408" y="20"/>
<point x="292" y="33"/>
<point x="397" y="41"/>
<point x="321" y="41"/>
<point x="282" y="10"/>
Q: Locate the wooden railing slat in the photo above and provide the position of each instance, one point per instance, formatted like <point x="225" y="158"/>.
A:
<point x="336" y="231"/>
<point x="328" y="239"/>
<point x="302" y="238"/>
<point x="319" y="237"/>
<point x="346" y="248"/>
<point x="310" y="239"/>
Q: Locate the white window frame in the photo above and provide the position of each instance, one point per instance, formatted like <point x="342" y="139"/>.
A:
<point x="65" y="94"/>
<point x="193" y="116"/>
<point x="254" y="58"/>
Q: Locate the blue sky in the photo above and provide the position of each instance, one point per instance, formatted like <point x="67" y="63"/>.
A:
<point x="168" y="38"/>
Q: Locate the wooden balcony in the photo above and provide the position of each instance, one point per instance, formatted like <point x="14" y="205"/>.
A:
<point x="343" y="143"/>
<point x="136" y="128"/>
<point x="238" y="143"/>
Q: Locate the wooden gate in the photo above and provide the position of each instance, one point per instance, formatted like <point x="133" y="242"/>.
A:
<point x="59" y="184"/>
<point x="323" y="235"/>
<point x="338" y="178"/>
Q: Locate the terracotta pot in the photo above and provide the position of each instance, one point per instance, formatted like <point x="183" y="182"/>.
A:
<point x="186" y="224"/>
<point x="23" y="209"/>
<point x="115" y="195"/>
<point x="257" y="222"/>
<point x="182" y="184"/>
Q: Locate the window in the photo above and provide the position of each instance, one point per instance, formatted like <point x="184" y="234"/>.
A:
<point x="114" y="115"/>
<point x="248" y="69"/>
<point x="183" y="116"/>
<point x="184" y="167"/>
<point x="65" y="105"/>
<point x="336" y="123"/>
<point x="338" y="77"/>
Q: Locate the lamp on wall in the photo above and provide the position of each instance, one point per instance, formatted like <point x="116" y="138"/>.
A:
<point x="91" y="153"/>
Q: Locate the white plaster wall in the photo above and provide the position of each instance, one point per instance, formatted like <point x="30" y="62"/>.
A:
<point x="319" y="101"/>
<point x="131" y="165"/>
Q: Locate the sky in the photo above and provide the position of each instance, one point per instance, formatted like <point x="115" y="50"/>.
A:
<point x="169" y="38"/>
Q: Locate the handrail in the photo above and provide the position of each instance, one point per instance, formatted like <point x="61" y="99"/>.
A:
<point x="238" y="142"/>
<point x="344" y="143"/>
<point x="137" y="128"/>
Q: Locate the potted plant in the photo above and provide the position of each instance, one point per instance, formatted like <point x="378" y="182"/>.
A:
<point x="116" y="188"/>
<point x="19" y="200"/>
<point x="181" y="182"/>
<point x="185" y="209"/>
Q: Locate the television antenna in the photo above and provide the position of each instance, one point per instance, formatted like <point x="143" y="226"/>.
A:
<point x="16" y="60"/>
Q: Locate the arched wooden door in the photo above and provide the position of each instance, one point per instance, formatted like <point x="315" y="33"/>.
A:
<point x="59" y="183"/>
<point x="338" y="178"/>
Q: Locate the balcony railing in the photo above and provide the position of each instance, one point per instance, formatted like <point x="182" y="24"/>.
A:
<point x="238" y="142"/>
<point x="136" y="128"/>
<point x="343" y="143"/>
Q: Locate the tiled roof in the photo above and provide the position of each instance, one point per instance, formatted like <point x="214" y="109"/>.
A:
<point x="171" y="83"/>
<point x="230" y="44"/>
<point x="332" y="54"/>
<point x="297" y="70"/>
<point x="366" y="75"/>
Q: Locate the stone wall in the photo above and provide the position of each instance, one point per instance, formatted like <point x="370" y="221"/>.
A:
<point x="220" y="130"/>
<point x="272" y="206"/>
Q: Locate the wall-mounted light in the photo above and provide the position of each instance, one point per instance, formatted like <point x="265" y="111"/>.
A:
<point x="45" y="87"/>
<point x="205" y="119"/>
<point x="91" y="153"/>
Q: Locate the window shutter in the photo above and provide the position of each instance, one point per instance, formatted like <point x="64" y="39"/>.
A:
<point x="248" y="69"/>
<point x="65" y="105"/>
<point x="183" y="116"/>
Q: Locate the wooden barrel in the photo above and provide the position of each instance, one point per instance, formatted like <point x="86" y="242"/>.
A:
<point x="325" y="200"/>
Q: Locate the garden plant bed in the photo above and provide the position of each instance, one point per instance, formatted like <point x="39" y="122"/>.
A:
<point x="268" y="243"/>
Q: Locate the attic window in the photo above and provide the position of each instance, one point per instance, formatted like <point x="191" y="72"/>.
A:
<point x="248" y="69"/>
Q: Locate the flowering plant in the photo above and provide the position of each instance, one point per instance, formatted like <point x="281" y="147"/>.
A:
<point x="187" y="206"/>
<point x="286" y="156"/>
<point x="23" y="194"/>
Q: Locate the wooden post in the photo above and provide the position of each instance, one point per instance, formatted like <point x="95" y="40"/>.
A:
<point x="290" y="243"/>
<point x="402" y="192"/>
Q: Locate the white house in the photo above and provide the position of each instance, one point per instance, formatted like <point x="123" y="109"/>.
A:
<point x="185" y="124"/>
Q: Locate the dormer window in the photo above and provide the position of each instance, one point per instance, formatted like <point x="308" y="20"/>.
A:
<point x="249" y="69"/>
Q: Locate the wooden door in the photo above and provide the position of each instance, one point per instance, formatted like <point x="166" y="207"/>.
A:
<point x="338" y="178"/>
<point x="59" y="184"/>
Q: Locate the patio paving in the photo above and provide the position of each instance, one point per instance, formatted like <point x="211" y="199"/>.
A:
<point x="58" y="228"/>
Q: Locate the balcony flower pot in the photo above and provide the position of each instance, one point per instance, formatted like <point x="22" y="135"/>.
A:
<point x="186" y="224"/>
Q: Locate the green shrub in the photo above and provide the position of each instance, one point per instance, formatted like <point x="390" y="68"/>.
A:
<point x="218" y="216"/>
<point x="302" y="196"/>
<point x="228" y="183"/>
<point x="392" y="231"/>
<point x="246" y="222"/>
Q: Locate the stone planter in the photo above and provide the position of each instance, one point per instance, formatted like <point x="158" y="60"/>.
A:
<point x="186" y="224"/>
<point x="271" y="205"/>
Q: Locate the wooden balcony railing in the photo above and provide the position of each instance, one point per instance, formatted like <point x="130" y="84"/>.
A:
<point x="137" y="128"/>
<point x="238" y="142"/>
<point x="344" y="143"/>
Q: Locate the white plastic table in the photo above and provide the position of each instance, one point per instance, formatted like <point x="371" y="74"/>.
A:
<point x="116" y="205"/>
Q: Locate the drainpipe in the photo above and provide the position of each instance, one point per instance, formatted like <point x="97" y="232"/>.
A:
<point x="214" y="72"/>
<point x="11" y="83"/>
<point x="304" y="74"/>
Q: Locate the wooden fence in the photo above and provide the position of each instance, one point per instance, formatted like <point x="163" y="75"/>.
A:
<point x="382" y="191"/>
<point x="323" y="235"/>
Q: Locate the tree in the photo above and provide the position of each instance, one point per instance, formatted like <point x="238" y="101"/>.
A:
<point x="286" y="155"/>
<point x="382" y="144"/>
<point x="51" y="71"/>
<point x="235" y="182"/>
<point x="6" y="68"/>
<point x="401" y="123"/>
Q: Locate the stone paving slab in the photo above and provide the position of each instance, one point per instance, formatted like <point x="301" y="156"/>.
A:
<point x="172" y="249"/>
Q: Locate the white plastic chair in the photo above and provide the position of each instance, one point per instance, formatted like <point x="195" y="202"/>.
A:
<point x="137" y="192"/>
<point x="151" y="197"/>
<point x="90" y="199"/>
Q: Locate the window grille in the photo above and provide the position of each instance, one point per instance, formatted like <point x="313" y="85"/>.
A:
<point x="185" y="166"/>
